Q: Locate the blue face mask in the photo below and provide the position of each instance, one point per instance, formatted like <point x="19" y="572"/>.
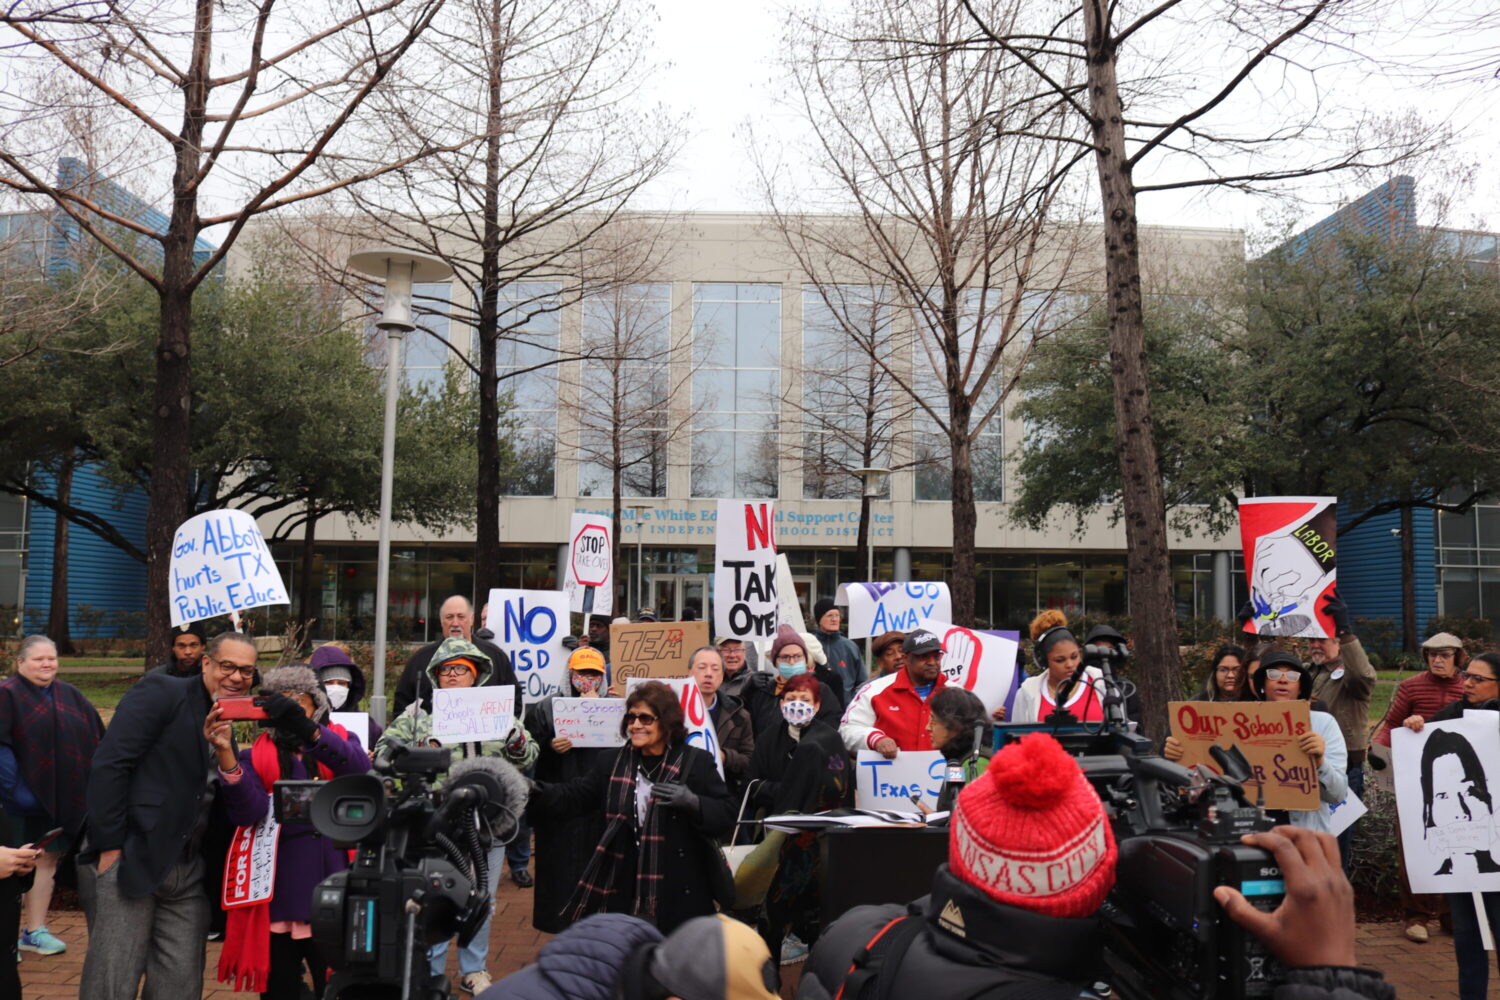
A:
<point x="790" y="670"/>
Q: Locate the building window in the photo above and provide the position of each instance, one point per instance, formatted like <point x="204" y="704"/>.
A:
<point x="1469" y="562"/>
<point x="624" y="392"/>
<point x="736" y="389"/>
<point x="529" y="326"/>
<point x="425" y="351"/>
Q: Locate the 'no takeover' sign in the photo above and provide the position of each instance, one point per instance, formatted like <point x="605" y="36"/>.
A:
<point x="745" y="602"/>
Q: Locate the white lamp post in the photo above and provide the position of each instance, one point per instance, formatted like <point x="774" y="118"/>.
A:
<point x="640" y="533"/>
<point x="399" y="269"/>
<point x="874" y="479"/>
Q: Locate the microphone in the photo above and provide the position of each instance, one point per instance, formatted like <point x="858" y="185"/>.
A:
<point x="495" y="786"/>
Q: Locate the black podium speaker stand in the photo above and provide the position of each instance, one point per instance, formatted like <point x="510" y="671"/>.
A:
<point x="878" y="864"/>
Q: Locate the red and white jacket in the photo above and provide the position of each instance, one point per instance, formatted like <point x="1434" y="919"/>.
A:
<point x="888" y="706"/>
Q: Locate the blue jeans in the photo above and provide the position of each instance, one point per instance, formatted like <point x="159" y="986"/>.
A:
<point x="471" y="958"/>
<point x="518" y="851"/>
<point x="1468" y="946"/>
<point x="1346" y="839"/>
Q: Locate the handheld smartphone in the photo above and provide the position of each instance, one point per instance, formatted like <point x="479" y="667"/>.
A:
<point x="48" y="838"/>
<point x="240" y="708"/>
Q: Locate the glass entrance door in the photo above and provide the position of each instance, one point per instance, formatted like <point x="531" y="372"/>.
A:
<point x="672" y="593"/>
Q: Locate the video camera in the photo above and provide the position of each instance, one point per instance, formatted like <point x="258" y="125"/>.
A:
<point x="419" y="873"/>
<point x="1178" y="833"/>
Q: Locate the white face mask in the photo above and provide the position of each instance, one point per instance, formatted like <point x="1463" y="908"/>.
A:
<point x="798" y="713"/>
<point x="337" y="695"/>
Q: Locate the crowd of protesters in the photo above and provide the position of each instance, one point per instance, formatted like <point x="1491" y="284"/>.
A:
<point x="631" y="873"/>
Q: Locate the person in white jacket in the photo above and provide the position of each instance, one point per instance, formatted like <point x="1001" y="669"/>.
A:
<point x="1282" y="677"/>
<point x="1058" y="653"/>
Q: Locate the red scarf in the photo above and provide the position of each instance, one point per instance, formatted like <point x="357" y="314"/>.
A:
<point x="246" y="958"/>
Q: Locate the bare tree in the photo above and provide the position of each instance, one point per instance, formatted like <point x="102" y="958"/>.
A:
<point x="527" y="102"/>
<point x="956" y="230"/>
<point x="236" y="101"/>
<point x="1238" y="107"/>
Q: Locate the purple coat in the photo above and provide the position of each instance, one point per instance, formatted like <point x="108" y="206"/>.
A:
<point x="303" y="856"/>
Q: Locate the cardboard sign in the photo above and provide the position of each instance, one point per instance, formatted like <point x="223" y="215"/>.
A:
<point x="745" y="604"/>
<point x="652" y="649"/>
<point x="1447" y="778"/>
<point x="890" y="784"/>
<point x="1290" y="563"/>
<point x="979" y="661"/>
<point x="700" y="725"/>
<point x="358" y="724"/>
<point x="588" y="722"/>
<point x="220" y="566"/>
<point x="1265" y="732"/>
<point x="590" y="577"/>
<point x="530" y="626"/>
<point x="468" y="715"/>
<point x="876" y="608"/>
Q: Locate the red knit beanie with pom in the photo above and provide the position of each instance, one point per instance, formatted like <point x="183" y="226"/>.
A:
<point x="1031" y="832"/>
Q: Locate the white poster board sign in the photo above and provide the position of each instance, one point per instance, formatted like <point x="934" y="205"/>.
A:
<point x="1447" y="779"/>
<point x="590" y="576"/>
<point x="358" y="724"/>
<point x="588" y="722"/>
<point x="979" y="661"/>
<point x="890" y="784"/>
<point x="1345" y="813"/>
<point x="745" y="602"/>
<point x="220" y="566"/>
<point x="700" y="725"/>
<point x="530" y="626"/>
<point x="468" y="715"/>
<point x="1291" y="565"/>
<point x="876" y="608"/>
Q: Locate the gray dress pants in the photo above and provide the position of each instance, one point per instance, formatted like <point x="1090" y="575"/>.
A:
<point x="160" y="937"/>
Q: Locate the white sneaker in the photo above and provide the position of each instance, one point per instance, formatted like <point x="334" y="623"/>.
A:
<point x="475" y="983"/>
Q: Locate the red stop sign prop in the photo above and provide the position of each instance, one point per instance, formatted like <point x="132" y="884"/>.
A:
<point x="590" y="556"/>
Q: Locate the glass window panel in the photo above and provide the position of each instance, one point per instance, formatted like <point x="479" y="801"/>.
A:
<point x="1105" y="593"/>
<point x="756" y="390"/>
<point x="535" y="458"/>
<point x="713" y="464"/>
<point x="1461" y="593"/>
<point x="1489" y="525"/>
<point x="713" y="389"/>
<point x="758" y="335"/>
<point x="713" y="334"/>
<point x="1489" y="593"/>
<point x="1456" y="529"/>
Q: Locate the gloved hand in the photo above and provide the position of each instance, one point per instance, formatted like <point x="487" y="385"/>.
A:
<point x="675" y="795"/>
<point x="1336" y="609"/>
<point x="1246" y="612"/>
<point x="287" y="716"/>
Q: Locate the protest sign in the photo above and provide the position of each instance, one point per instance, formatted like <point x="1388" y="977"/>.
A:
<point x="1290" y="563"/>
<point x="700" y="725"/>
<point x="221" y="566"/>
<point x="590" y="578"/>
<point x="1345" y="813"/>
<point x="980" y="661"/>
<point x="875" y="608"/>
<point x="358" y="724"/>
<point x="1265" y="732"/>
<point x="652" y="649"/>
<point x="1446" y="780"/>
<point x="530" y="626"/>
<point x="745" y="604"/>
<point x="890" y="784"/>
<point x="788" y="610"/>
<point x="466" y="715"/>
<point x="588" y="722"/>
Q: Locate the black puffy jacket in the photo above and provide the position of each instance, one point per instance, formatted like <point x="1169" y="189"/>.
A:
<point x="585" y="962"/>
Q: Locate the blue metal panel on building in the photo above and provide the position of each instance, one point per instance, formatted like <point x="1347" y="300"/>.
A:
<point x="1370" y="566"/>
<point x="100" y="576"/>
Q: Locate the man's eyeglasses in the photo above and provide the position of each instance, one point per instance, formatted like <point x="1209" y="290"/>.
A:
<point x="1476" y="678"/>
<point x="229" y="668"/>
<point x="644" y="718"/>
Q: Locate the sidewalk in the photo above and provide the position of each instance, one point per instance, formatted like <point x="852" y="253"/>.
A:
<point x="1418" y="971"/>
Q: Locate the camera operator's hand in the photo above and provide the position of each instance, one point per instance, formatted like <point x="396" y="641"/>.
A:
<point x="886" y="747"/>
<point x="1335" y="608"/>
<point x="1312" y="744"/>
<point x="1172" y="749"/>
<point x="287" y="716"/>
<point x="1314" y="925"/>
<point x="675" y="795"/>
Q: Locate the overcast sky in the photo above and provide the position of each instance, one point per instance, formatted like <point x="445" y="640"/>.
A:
<point x="722" y="76"/>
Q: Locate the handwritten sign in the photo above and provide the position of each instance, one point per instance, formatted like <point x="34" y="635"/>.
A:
<point x="745" y="604"/>
<point x="1344" y="813"/>
<point x="590" y="577"/>
<point x="700" y="725"/>
<point x="890" y="784"/>
<point x="875" y="608"/>
<point x="467" y="715"/>
<point x="530" y="626"/>
<point x="652" y="649"/>
<point x="1290" y="563"/>
<point x="1446" y="779"/>
<point x="588" y="722"/>
<point x="1266" y="733"/>
<point x="221" y="565"/>
<point x="979" y="661"/>
<point x="358" y="724"/>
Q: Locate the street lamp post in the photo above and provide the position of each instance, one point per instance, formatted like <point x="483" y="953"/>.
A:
<point x="874" y="478"/>
<point x="398" y="269"/>
<point x="640" y="533"/>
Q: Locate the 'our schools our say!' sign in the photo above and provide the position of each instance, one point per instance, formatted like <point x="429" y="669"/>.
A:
<point x="221" y="565"/>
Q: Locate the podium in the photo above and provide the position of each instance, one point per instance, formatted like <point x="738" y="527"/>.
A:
<point x="877" y="864"/>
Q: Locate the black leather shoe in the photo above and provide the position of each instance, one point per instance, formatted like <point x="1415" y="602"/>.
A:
<point x="522" y="878"/>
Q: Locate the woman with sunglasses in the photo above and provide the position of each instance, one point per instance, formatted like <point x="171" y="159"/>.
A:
<point x="1227" y="680"/>
<point x="664" y="804"/>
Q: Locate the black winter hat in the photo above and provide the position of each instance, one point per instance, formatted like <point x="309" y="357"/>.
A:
<point x="822" y="608"/>
<point x="1281" y="658"/>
